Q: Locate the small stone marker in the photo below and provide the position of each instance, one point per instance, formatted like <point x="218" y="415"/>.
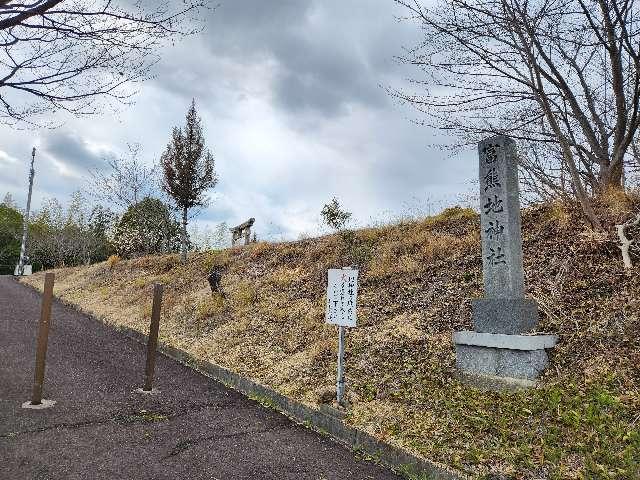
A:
<point x="342" y="293"/>
<point x="496" y="347"/>
<point x="215" y="278"/>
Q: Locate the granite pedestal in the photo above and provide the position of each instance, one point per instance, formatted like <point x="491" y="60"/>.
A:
<point x="501" y="355"/>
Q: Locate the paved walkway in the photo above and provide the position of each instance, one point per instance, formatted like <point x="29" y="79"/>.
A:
<point x="99" y="429"/>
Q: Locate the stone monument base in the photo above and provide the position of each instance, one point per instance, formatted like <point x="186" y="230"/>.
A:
<point x="496" y="384"/>
<point x="501" y="356"/>
<point x="504" y="315"/>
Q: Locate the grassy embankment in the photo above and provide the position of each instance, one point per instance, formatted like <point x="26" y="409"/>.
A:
<point x="417" y="280"/>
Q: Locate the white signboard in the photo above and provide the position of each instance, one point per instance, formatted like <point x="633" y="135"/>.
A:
<point x="342" y="291"/>
<point x="26" y="270"/>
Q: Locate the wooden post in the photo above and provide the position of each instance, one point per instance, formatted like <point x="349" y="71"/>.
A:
<point x="43" y="338"/>
<point x="152" y="344"/>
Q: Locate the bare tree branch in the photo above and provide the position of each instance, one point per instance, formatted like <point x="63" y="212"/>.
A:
<point x="626" y="242"/>
<point x="559" y="76"/>
<point x="57" y="57"/>
<point x="125" y="181"/>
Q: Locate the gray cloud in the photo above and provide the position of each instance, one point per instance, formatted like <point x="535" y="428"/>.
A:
<point x="293" y="109"/>
<point x="322" y="76"/>
<point x="71" y="149"/>
<point x="48" y="181"/>
<point x="320" y="49"/>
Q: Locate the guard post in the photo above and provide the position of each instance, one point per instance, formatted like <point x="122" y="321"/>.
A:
<point x="152" y="344"/>
<point x="41" y="349"/>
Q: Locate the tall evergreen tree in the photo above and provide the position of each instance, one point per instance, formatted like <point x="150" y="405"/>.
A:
<point x="187" y="167"/>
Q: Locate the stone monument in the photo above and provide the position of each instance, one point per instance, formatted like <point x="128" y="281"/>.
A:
<point x="242" y="230"/>
<point x="215" y="279"/>
<point x="498" y="352"/>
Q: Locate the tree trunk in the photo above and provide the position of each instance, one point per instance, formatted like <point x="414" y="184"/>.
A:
<point x="611" y="175"/>
<point x="579" y="190"/>
<point x="567" y="154"/>
<point x="183" y="237"/>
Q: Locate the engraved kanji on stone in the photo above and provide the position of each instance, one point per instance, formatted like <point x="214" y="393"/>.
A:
<point x="493" y="205"/>
<point x="490" y="153"/>
<point x="495" y="230"/>
<point x="496" y="257"/>
<point x="491" y="179"/>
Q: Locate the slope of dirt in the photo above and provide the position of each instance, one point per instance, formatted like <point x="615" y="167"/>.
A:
<point x="417" y="280"/>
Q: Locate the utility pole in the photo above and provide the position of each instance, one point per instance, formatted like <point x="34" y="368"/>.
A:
<point x="25" y="227"/>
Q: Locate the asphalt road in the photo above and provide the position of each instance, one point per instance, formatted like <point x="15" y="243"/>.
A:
<point x="100" y="428"/>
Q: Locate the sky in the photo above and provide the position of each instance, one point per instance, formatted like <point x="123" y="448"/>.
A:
<point x="293" y="102"/>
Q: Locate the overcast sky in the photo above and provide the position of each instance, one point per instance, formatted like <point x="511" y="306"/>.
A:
<point x="291" y="93"/>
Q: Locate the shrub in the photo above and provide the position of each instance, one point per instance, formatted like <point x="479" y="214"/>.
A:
<point x="210" y="306"/>
<point x="112" y="261"/>
<point x="10" y="231"/>
<point x="216" y="259"/>
<point x="245" y="293"/>
<point x="139" y="283"/>
<point x="147" y="228"/>
<point x="334" y="216"/>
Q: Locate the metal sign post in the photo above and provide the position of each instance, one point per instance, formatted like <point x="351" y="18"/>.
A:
<point x="340" y="382"/>
<point x="342" y="291"/>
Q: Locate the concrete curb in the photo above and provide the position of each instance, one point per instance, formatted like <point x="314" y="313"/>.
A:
<point x="398" y="459"/>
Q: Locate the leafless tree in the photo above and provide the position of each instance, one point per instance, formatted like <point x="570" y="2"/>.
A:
<point x="125" y="180"/>
<point x="64" y="54"/>
<point x="72" y="237"/>
<point x="560" y="76"/>
<point x="634" y="164"/>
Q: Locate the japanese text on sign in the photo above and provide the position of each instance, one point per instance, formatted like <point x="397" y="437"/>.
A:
<point x="342" y="291"/>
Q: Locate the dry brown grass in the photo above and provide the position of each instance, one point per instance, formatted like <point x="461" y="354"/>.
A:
<point x="417" y="281"/>
<point x="112" y="260"/>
